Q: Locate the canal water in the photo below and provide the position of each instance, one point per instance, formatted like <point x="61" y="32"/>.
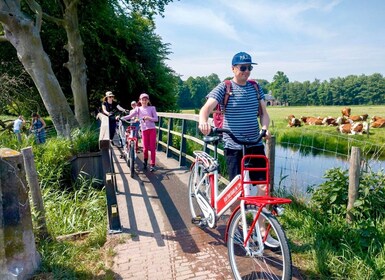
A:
<point x="295" y="171"/>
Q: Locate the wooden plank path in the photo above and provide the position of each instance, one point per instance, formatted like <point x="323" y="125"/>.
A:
<point x="158" y="240"/>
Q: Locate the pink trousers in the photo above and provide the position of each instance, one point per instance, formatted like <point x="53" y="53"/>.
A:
<point x="149" y="144"/>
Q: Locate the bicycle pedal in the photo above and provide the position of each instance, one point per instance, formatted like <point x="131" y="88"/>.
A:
<point x="197" y="220"/>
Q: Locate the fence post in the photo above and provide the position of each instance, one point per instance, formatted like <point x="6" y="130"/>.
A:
<point x="270" y="153"/>
<point x="354" y="179"/>
<point x="182" y="151"/>
<point x="37" y="200"/>
<point x="21" y="257"/>
<point x="109" y="182"/>
<point x="3" y="262"/>
<point x="160" y="133"/>
<point x="169" y="137"/>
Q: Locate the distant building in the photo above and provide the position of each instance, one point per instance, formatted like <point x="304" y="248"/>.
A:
<point x="271" y="101"/>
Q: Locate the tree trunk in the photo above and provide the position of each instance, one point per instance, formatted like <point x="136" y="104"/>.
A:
<point x="25" y="37"/>
<point x="77" y="62"/>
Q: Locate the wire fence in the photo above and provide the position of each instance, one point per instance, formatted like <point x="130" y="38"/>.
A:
<point x="301" y="164"/>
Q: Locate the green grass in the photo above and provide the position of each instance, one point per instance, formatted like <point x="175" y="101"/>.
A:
<point x="325" y="137"/>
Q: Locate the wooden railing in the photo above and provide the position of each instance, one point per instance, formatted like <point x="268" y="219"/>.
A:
<point x="108" y="170"/>
<point x="166" y="126"/>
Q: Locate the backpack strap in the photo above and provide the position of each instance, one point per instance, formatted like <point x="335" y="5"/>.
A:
<point x="227" y="94"/>
<point x="255" y="84"/>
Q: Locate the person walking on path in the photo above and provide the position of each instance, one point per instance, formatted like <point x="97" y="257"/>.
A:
<point x="243" y="108"/>
<point x="17" y="126"/>
<point x="38" y="128"/>
<point x="110" y="107"/>
<point x="135" y="122"/>
<point x="148" y="116"/>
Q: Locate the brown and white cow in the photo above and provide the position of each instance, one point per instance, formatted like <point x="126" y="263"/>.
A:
<point x="376" y="118"/>
<point x="293" y="121"/>
<point x="353" y="127"/>
<point x="346" y="111"/>
<point x="363" y="117"/>
<point x="330" y="121"/>
<point x="378" y="123"/>
<point x="312" y="120"/>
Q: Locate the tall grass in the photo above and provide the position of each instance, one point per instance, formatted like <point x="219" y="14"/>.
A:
<point x="70" y="208"/>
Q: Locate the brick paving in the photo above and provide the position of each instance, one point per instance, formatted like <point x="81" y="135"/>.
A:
<point x="157" y="239"/>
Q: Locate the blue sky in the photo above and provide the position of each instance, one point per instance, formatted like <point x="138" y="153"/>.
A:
<point x="307" y="40"/>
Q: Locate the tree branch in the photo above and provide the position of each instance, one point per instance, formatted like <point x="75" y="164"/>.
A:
<point x="56" y="20"/>
<point x="36" y="8"/>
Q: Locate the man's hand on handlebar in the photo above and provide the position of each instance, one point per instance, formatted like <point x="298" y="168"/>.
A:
<point x="205" y="128"/>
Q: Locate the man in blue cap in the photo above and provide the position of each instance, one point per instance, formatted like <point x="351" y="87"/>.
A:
<point x="243" y="108"/>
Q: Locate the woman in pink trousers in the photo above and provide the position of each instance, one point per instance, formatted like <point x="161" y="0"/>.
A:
<point x="147" y="116"/>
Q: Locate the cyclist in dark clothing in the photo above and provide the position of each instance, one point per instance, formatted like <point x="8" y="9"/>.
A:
<point x="110" y="107"/>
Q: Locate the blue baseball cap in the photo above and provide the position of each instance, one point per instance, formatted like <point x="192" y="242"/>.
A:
<point x="242" y="58"/>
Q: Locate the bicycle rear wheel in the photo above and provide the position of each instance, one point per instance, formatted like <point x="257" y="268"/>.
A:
<point x="132" y="159"/>
<point x="196" y="184"/>
<point x="273" y="263"/>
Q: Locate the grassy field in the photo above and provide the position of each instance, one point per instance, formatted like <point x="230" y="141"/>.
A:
<point x="278" y="125"/>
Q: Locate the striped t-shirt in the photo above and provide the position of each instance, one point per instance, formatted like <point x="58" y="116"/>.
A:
<point x="241" y="115"/>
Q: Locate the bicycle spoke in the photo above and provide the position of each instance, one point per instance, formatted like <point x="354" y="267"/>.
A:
<point x="272" y="263"/>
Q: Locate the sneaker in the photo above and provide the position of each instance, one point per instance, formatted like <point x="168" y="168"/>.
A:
<point x="271" y="242"/>
<point x="152" y="168"/>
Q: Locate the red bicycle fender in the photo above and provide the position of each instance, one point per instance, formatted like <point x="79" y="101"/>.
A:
<point x="229" y="222"/>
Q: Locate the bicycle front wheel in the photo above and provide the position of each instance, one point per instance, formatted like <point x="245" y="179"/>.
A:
<point x="132" y="159"/>
<point x="271" y="263"/>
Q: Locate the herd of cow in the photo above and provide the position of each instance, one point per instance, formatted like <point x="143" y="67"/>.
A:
<point x="345" y="124"/>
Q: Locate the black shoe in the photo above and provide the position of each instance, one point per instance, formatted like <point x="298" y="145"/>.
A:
<point x="152" y="168"/>
<point x="145" y="165"/>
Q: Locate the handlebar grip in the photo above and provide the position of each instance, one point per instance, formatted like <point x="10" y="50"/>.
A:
<point x="218" y="130"/>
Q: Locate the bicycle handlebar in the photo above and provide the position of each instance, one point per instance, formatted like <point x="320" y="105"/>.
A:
<point x="235" y="139"/>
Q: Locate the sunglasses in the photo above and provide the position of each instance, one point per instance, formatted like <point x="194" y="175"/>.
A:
<point x="243" y="68"/>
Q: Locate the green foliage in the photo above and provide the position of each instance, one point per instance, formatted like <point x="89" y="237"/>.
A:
<point x="331" y="197"/>
<point x="327" y="247"/>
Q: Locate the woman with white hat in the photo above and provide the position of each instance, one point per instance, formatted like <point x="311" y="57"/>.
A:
<point x="148" y="116"/>
<point x="110" y="107"/>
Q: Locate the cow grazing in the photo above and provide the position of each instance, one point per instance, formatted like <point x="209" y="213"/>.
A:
<point x="359" y="128"/>
<point x="378" y="123"/>
<point x="346" y="111"/>
<point x="363" y="117"/>
<point x="376" y="118"/>
<point x="353" y="127"/>
<point x="329" y="121"/>
<point x="342" y="120"/>
<point x="312" y="120"/>
<point x="293" y="121"/>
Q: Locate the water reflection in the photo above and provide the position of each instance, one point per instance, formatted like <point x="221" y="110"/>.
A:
<point x="295" y="170"/>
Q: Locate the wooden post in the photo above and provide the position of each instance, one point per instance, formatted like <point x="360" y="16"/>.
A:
<point x="160" y="133"/>
<point x="270" y="153"/>
<point x="182" y="150"/>
<point x="3" y="261"/>
<point x="37" y="199"/>
<point x="169" y="137"/>
<point x="21" y="257"/>
<point x="354" y="179"/>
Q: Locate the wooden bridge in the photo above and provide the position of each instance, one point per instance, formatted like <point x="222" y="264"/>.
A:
<point x="149" y="218"/>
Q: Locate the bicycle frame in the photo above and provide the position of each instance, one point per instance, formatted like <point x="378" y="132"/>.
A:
<point x="252" y="224"/>
<point x="130" y="135"/>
